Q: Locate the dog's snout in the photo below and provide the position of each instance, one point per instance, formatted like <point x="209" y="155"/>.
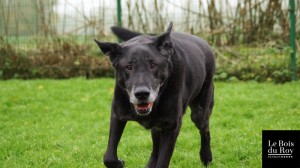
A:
<point x="142" y="93"/>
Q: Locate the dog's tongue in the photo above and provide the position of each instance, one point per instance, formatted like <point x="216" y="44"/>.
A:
<point x="143" y="108"/>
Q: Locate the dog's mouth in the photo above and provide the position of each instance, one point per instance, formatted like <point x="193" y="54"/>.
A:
<point x="143" y="108"/>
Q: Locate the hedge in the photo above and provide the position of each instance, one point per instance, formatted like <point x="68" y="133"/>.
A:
<point x="268" y="63"/>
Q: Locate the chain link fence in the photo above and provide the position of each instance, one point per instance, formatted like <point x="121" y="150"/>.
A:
<point x="27" y="22"/>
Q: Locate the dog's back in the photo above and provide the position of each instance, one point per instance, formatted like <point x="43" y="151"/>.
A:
<point x="198" y="60"/>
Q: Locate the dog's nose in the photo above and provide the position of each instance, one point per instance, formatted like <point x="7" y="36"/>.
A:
<point x="142" y="93"/>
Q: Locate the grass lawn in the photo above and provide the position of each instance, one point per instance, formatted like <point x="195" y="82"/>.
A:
<point x="64" y="123"/>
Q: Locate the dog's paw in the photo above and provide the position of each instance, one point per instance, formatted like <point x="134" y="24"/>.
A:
<point x="206" y="157"/>
<point x="114" y="163"/>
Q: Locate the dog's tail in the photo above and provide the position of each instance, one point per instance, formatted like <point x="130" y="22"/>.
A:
<point x="123" y="33"/>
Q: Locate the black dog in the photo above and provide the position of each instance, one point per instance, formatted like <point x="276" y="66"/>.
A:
<point x="157" y="78"/>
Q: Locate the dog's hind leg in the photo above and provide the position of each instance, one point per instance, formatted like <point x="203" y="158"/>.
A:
<point x="201" y="109"/>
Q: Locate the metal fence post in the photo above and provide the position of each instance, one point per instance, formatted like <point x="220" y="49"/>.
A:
<point x="293" y="40"/>
<point x="119" y="15"/>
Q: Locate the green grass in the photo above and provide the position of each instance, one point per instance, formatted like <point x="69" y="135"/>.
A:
<point x="51" y="123"/>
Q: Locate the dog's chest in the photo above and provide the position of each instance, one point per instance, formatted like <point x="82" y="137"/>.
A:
<point x="152" y="121"/>
<point x="159" y="123"/>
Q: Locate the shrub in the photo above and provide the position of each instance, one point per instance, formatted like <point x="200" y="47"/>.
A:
<point x="58" y="60"/>
<point x="253" y="63"/>
<point x="61" y="59"/>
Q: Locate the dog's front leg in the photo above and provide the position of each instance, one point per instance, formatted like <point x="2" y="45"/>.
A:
<point x="155" y="133"/>
<point x="167" y="144"/>
<point x="116" y="129"/>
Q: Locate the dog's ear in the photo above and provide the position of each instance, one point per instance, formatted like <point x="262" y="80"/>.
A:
<point x="163" y="42"/>
<point x="123" y="33"/>
<point x="110" y="49"/>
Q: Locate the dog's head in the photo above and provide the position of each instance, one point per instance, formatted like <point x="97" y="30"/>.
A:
<point x="142" y="65"/>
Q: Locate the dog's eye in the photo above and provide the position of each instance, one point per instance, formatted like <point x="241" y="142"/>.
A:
<point x="129" y="67"/>
<point x="152" y="65"/>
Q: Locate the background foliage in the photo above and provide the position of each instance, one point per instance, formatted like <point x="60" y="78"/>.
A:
<point x="54" y="38"/>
